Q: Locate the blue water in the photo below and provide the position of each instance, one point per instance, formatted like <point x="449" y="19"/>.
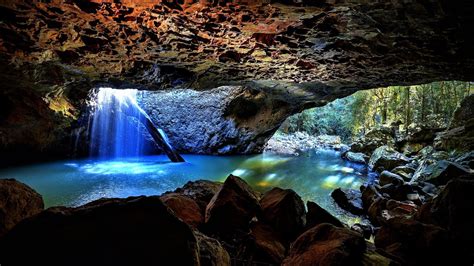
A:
<point x="71" y="183"/>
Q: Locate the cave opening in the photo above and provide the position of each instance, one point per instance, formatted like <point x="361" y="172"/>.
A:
<point x="236" y="132"/>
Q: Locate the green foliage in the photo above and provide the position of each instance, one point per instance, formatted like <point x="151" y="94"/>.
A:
<point x="427" y="105"/>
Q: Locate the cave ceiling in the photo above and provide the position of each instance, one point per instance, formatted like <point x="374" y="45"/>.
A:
<point x="310" y="49"/>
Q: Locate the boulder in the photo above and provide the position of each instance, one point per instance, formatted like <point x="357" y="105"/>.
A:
<point x="326" y="244"/>
<point x="356" y="157"/>
<point x="349" y="200"/>
<point x="383" y="210"/>
<point x="440" y="172"/>
<point x="364" y="229"/>
<point x="459" y="138"/>
<point x="405" y="171"/>
<point x="387" y="177"/>
<point x="17" y="202"/>
<point x="317" y="215"/>
<point x="184" y="208"/>
<point x="466" y="160"/>
<point x="452" y="210"/>
<point x="373" y="139"/>
<point x="232" y="208"/>
<point x="464" y="112"/>
<point x="414" y="243"/>
<point x="131" y="231"/>
<point x="211" y="252"/>
<point x="369" y="195"/>
<point x="201" y="191"/>
<point x="386" y="158"/>
<point x="285" y="211"/>
<point x="399" y="192"/>
<point x="264" y="246"/>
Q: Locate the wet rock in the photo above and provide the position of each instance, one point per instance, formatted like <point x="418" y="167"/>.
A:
<point x="135" y="230"/>
<point x="452" y="210"/>
<point x="414" y="243"/>
<point x="17" y="202"/>
<point x="349" y="200"/>
<point x="356" y="157"/>
<point x="285" y="211"/>
<point x="326" y="244"/>
<point x="211" y="252"/>
<point x="387" y="177"/>
<point x="317" y="215"/>
<point x="201" y="191"/>
<point x="232" y="208"/>
<point x="184" y="208"/>
<point x="386" y="158"/>
<point x="439" y="173"/>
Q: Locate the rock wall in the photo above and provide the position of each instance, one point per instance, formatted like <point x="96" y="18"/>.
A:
<point x="225" y="120"/>
<point x="304" y="53"/>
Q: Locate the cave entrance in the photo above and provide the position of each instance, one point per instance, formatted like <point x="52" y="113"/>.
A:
<point x="387" y="114"/>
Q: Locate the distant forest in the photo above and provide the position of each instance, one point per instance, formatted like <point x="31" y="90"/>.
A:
<point x="409" y="107"/>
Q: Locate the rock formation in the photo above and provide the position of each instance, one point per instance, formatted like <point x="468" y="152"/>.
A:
<point x="307" y="52"/>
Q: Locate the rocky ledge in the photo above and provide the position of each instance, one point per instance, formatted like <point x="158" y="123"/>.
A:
<point x="208" y="223"/>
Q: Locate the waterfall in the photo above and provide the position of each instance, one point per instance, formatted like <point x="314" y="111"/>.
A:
<point x="120" y="126"/>
<point x="117" y="129"/>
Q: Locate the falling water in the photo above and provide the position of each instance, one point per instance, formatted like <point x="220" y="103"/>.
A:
<point x="117" y="124"/>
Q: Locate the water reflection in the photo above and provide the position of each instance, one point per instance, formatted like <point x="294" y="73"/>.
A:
<point x="313" y="176"/>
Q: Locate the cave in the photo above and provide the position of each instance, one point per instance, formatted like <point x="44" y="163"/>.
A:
<point x="235" y="132"/>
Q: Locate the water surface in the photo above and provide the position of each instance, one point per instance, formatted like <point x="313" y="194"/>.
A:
<point x="71" y="183"/>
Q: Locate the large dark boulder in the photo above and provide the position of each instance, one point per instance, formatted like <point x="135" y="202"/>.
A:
<point x="414" y="243"/>
<point x="263" y="246"/>
<point x="387" y="177"/>
<point x="452" y="210"/>
<point x="326" y="244"/>
<point x="232" y="208"/>
<point x="369" y="195"/>
<point x="184" y="208"/>
<point x="317" y="215"/>
<point x="386" y="158"/>
<point x="349" y="200"/>
<point x="440" y="172"/>
<point x="285" y="211"/>
<point x="17" y="202"/>
<point x="131" y="231"/>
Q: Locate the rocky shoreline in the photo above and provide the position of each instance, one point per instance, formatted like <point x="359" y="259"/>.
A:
<point x="210" y="223"/>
